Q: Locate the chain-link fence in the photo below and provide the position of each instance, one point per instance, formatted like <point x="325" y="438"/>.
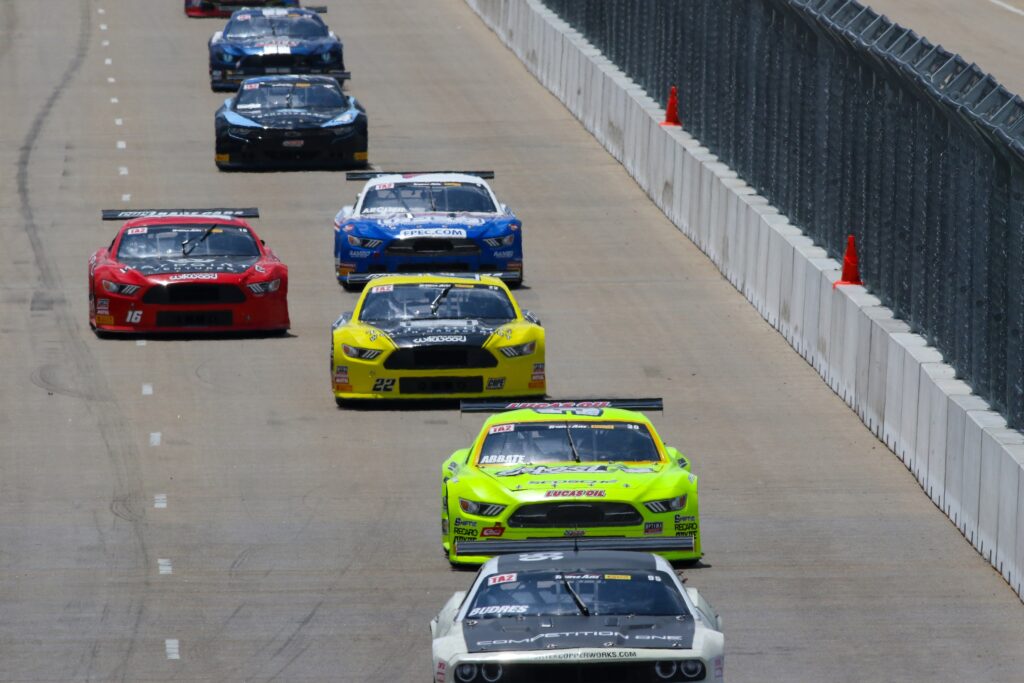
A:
<point x="849" y="123"/>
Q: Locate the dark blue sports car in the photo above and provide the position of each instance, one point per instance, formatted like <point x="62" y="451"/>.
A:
<point x="269" y="41"/>
<point x="290" y="122"/>
<point x="439" y="222"/>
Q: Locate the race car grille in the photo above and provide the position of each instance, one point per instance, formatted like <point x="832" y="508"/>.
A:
<point x="432" y="245"/>
<point x="447" y="357"/>
<point x="272" y="61"/>
<point x="587" y="672"/>
<point x="189" y="294"/>
<point x="440" y="385"/>
<point x="568" y="514"/>
<point x="194" y="318"/>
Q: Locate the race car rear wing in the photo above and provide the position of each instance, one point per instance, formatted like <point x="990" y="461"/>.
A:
<point x="128" y="214"/>
<point x="369" y="175"/>
<point x="319" y="9"/>
<point x="563" y="404"/>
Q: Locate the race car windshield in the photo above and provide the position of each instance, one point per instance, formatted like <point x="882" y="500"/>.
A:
<point x="265" y="97"/>
<point x="247" y="26"/>
<point x="392" y="303"/>
<point x="427" y="197"/>
<point x="165" y="241"/>
<point x="542" y="442"/>
<point x="547" y="593"/>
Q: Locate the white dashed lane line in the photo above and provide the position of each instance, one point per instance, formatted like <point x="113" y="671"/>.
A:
<point x="103" y="27"/>
<point x="147" y="389"/>
<point x="105" y="43"/>
<point x="154" y="438"/>
<point x="171" y="647"/>
<point x="122" y="170"/>
<point x="121" y="144"/>
<point x="164" y="565"/>
<point x="118" y="122"/>
<point x="160" y="501"/>
<point x="108" y="61"/>
<point x="114" y="100"/>
<point x="1008" y="7"/>
<point x="100" y="10"/>
<point x="111" y="79"/>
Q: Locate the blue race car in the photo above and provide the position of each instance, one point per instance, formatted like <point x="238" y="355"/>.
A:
<point x="436" y="222"/>
<point x="270" y="41"/>
<point x="290" y="122"/>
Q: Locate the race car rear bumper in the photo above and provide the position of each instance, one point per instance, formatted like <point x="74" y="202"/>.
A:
<point x="231" y="79"/>
<point x="665" y="544"/>
<point x="509" y="276"/>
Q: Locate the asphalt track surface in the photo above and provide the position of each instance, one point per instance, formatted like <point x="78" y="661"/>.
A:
<point x="199" y="510"/>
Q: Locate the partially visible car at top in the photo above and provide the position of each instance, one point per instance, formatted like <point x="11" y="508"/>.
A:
<point x="262" y="42"/>
<point x="290" y="122"/>
<point x="186" y="270"/>
<point x="594" y="616"/>
<point x="447" y="221"/>
<point x="224" y="8"/>
<point x="430" y="337"/>
<point x="554" y="475"/>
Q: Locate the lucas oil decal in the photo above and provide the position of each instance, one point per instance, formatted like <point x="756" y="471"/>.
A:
<point x="576" y="493"/>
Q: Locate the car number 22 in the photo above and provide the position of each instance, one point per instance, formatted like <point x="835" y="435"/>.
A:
<point x="383" y="385"/>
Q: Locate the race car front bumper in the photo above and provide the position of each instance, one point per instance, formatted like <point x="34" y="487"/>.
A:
<point x="341" y="147"/>
<point x="121" y="315"/>
<point x="515" y="377"/>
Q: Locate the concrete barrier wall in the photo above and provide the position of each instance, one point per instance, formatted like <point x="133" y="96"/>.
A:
<point x="966" y="460"/>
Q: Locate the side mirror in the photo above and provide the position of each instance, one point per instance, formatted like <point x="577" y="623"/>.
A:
<point x="705" y="608"/>
<point x="263" y="242"/>
<point x="342" y="319"/>
<point x="347" y="211"/>
<point x="530" y="317"/>
<point x="228" y="101"/>
<point x="504" y="208"/>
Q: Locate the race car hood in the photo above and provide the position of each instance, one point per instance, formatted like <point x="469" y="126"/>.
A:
<point x="579" y="480"/>
<point x="409" y="333"/>
<point x="292" y="118"/>
<point x="273" y="45"/>
<point x="219" y="264"/>
<point x="503" y="634"/>
<point x="409" y="226"/>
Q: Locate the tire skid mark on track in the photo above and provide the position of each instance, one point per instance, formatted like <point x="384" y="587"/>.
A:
<point x="126" y="499"/>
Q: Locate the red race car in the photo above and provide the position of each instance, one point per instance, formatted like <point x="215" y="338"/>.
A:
<point x="224" y="8"/>
<point x="186" y="270"/>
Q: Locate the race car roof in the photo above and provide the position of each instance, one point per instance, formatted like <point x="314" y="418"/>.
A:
<point x="580" y="560"/>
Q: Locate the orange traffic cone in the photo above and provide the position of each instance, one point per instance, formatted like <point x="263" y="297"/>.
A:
<point x="851" y="266"/>
<point x="672" y="109"/>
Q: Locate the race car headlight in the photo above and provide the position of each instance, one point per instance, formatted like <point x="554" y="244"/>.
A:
<point x="363" y="242"/>
<point x="357" y="352"/>
<point x="329" y="56"/>
<point x="666" y="504"/>
<point x="500" y="241"/>
<point x="240" y="132"/>
<point x="261" y="288"/>
<point x="345" y="119"/>
<point x="481" y="509"/>
<point x="224" y="57"/>
<point x="519" y="349"/>
<point x="465" y="672"/>
<point x="118" y="288"/>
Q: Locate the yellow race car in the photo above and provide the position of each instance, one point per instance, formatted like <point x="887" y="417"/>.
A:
<point x="437" y="336"/>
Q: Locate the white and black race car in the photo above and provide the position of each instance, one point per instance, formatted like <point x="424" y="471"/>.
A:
<point x="590" y="616"/>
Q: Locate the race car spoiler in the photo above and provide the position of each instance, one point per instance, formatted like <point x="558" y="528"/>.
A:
<point x="128" y="214"/>
<point x="562" y="404"/>
<point x="369" y="175"/>
<point x="363" y="278"/>
<point x="535" y="545"/>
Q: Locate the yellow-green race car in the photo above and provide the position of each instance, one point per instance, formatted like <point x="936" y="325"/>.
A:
<point x="555" y="476"/>
<point x="437" y="336"/>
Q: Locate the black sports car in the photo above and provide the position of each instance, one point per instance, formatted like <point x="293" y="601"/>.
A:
<point x="289" y="122"/>
<point x="259" y="42"/>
